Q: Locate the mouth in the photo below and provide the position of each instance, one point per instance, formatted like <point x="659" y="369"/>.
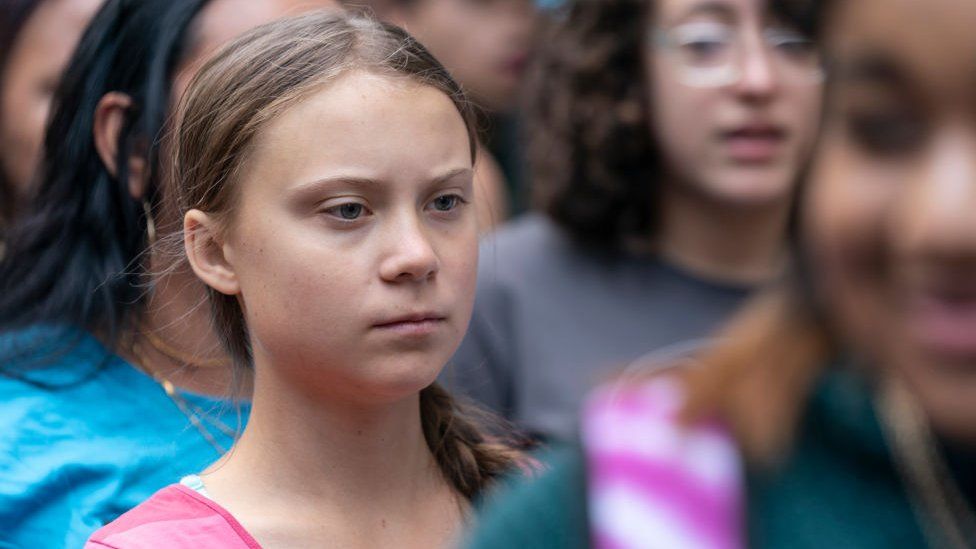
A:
<point x="757" y="143"/>
<point x="412" y="325"/>
<point x="943" y="320"/>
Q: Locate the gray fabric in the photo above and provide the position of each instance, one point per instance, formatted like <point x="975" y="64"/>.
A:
<point x="552" y="319"/>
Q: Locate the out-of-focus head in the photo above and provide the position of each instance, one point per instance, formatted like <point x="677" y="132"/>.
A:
<point x="734" y="96"/>
<point x="37" y="38"/>
<point x="890" y="212"/>
<point x="485" y="44"/>
<point x="719" y="98"/>
<point x="85" y="236"/>
<point x="326" y="167"/>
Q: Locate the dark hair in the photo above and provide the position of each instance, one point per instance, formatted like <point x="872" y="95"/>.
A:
<point x="14" y="15"/>
<point x="594" y="165"/>
<point x="235" y="95"/>
<point x="591" y="156"/>
<point x="74" y="257"/>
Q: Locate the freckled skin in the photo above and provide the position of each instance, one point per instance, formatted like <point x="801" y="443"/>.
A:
<point x="313" y="284"/>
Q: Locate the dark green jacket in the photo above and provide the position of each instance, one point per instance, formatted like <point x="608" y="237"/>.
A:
<point x="837" y="489"/>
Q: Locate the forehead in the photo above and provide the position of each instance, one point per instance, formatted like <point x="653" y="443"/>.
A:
<point x="931" y="43"/>
<point x="368" y="125"/>
<point x="730" y="9"/>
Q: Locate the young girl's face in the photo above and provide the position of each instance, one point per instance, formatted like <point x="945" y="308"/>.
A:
<point x="354" y="241"/>
<point x="892" y="202"/>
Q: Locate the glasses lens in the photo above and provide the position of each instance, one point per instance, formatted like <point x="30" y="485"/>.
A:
<point x="703" y="45"/>
<point x="796" y="56"/>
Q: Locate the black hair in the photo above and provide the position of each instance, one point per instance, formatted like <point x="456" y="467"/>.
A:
<point x="14" y="15"/>
<point x="75" y="257"/>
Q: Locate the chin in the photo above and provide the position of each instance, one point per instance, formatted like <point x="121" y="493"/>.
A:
<point x="748" y="188"/>
<point x="396" y="382"/>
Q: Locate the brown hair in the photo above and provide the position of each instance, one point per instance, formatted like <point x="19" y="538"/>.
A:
<point x="237" y="93"/>
<point x="760" y="375"/>
<point x="591" y="156"/>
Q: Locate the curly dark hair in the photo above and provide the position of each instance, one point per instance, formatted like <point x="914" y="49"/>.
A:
<point x="593" y="161"/>
<point x="590" y="152"/>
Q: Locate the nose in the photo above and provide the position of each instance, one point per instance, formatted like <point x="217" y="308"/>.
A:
<point x="411" y="256"/>
<point x="758" y="80"/>
<point x="938" y="216"/>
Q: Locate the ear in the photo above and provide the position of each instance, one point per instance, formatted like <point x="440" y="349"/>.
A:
<point x="110" y="116"/>
<point x="206" y="253"/>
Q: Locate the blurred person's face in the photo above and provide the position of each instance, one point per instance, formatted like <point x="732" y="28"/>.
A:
<point x="483" y="43"/>
<point x="734" y="98"/>
<point x="220" y="22"/>
<point x="34" y="68"/>
<point x="892" y="203"/>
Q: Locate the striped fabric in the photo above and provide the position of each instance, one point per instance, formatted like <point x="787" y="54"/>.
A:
<point x="654" y="483"/>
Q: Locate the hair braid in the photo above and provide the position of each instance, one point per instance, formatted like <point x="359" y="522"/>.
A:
<point x="470" y="459"/>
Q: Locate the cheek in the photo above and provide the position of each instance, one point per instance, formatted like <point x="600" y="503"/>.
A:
<point x="296" y="293"/>
<point x="802" y="106"/>
<point x="24" y="113"/>
<point x="460" y="270"/>
<point x="680" y="117"/>
<point x="845" y="212"/>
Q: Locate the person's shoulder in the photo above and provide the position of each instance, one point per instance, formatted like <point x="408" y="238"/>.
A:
<point x="528" y="239"/>
<point x="681" y="480"/>
<point x="174" y="517"/>
<point x="49" y="357"/>
<point x="543" y="509"/>
<point x="644" y="417"/>
<point x="525" y="250"/>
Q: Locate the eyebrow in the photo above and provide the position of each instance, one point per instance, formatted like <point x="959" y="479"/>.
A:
<point x="711" y="7"/>
<point x="871" y="68"/>
<point x="313" y="187"/>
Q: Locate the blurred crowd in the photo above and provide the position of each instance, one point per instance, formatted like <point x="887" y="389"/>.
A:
<point x="683" y="273"/>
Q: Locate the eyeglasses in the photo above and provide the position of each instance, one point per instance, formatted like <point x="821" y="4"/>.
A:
<point x="711" y="54"/>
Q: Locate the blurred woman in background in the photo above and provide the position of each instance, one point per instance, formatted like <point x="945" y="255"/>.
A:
<point x="111" y="381"/>
<point x="665" y="139"/>
<point x="486" y="46"/>
<point x="840" y="410"/>
<point x="36" y="40"/>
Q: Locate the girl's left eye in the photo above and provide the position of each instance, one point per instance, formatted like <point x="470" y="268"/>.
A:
<point x="350" y="211"/>
<point x="446" y="203"/>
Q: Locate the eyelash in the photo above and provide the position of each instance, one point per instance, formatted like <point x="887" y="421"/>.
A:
<point x="457" y="201"/>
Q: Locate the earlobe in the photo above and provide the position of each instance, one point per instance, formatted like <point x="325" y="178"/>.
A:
<point x="109" y="119"/>
<point x="206" y="253"/>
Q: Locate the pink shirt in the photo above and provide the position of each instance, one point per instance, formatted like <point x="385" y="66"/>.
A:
<point x="655" y="483"/>
<point x="175" y="517"/>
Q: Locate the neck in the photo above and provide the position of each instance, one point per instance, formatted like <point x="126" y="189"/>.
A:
<point x="174" y="337"/>
<point x="736" y="244"/>
<point x="354" y="470"/>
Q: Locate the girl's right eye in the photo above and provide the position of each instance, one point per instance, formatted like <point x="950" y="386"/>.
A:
<point x="349" y="211"/>
<point x="703" y="42"/>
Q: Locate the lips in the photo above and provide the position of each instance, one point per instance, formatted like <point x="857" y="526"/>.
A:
<point x="943" y="320"/>
<point x="412" y="324"/>
<point x="754" y="143"/>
